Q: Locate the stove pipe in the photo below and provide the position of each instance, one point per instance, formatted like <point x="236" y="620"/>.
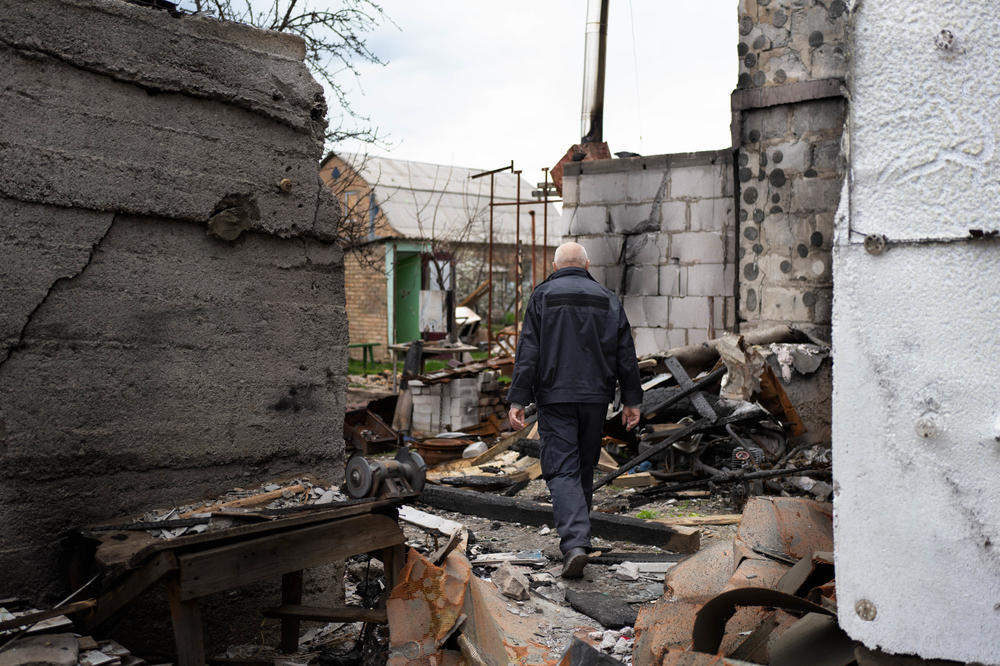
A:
<point x="594" y="52"/>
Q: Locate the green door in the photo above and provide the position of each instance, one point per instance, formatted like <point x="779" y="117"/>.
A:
<point x="407" y="306"/>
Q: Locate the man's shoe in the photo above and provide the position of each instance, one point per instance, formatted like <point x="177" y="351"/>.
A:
<point x="573" y="563"/>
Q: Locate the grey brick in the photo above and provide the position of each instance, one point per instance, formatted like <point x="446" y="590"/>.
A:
<point x="676" y="337"/>
<point x="634" y="310"/>
<point x="698" y="247"/>
<point x="656" y="310"/>
<point x="643" y="280"/>
<point x="815" y="194"/>
<point x="643" y="249"/>
<point x="817" y="116"/>
<point x="711" y="214"/>
<point x="795" y="155"/>
<point x="689" y="312"/>
<point x="598" y="273"/>
<point x="707" y="280"/>
<point x="587" y="220"/>
<point x="602" y="250"/>
<point x="696" y="182"/>
<point x="601" y="188"/>
<point x="645" y="340"/>
<point x="826" y="155"/>
<point x="613" y="278"/>
<point x="670" y="279"/>
<point x="674" y="216"/>
<point x="783" y="304"/>
<point x="569" y="191"/>
<point x="697" y="336"/>
<point x="626" y="218"/>
<point x="644" y="185"/>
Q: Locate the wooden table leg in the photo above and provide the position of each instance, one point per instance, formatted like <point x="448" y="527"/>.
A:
<point x="188" y="634"/>
<point x="392" y="562"/>
<point x="291" y="595"/>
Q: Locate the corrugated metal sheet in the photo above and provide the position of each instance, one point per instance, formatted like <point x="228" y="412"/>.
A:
<point x="441" y="202"/>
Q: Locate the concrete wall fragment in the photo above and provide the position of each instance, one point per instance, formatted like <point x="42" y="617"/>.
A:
<point x="916" y="354"/>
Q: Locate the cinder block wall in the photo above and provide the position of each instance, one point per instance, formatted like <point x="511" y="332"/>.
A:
<point x="660" y="232"/>
<point x="144" y="362"/>
<point x="788" y="120"/>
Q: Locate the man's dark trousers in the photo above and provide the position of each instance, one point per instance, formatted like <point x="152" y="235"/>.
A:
<point x="571" y="445"/>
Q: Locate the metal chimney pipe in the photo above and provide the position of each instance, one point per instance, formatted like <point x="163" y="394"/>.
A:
<point x="594" y="54"/>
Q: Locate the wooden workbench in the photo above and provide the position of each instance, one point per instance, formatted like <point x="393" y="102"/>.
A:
<point x="213" y="561"/>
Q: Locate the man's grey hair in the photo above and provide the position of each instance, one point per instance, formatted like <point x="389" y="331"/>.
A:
<point x="571" y="254"/>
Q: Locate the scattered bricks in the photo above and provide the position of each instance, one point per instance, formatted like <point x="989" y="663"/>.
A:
<point x="627" y="218"/>
<point x="601" y="188"/>
<point x="655" y="309"/>
<point x="588" y="220"/>
<point x="645" y="185"/>
<point x="642" y="249"/>
<point x="603" y="250"/>
<point x="642" y="281"/>
<point x="708" y="280"/>
<point x="670" y="279"/>
<point x="696" y="182"/>
<point x="711" y="214"/>
<point x="698" y="247"/>
<point x="674" y="216"/>
<point x="634" y="310"/>
<point x="689" y="312"/>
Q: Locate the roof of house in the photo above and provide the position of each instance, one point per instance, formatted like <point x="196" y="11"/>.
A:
<point x="441" y="202"/>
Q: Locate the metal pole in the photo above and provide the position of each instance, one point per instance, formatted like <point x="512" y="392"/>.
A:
<point x="517" y="258"/>
<point x="534" y="271"/>
<point x="545" y="223"/>
<point x="489" y="313"/>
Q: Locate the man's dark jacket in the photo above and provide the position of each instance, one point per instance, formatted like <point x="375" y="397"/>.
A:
<point x="574" y="344"/>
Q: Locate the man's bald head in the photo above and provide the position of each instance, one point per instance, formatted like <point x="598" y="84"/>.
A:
<point x="570" y="254"/>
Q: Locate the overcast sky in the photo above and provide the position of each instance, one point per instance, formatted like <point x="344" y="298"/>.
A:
<point x="477" y="84"/>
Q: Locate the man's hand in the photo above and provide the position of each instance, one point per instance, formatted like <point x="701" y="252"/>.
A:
<point x="630" y="417"/>
<point x="516" y="417"/>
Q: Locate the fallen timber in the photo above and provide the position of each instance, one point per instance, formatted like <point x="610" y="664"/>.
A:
<point x="603" y="525"/>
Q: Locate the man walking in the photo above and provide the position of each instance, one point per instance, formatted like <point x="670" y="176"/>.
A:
<point x="574" y="345"/>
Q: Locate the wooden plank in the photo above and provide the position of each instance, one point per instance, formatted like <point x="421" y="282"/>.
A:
<point x="238" y="564"/>
<point x="252" y="500"/>
<point x="150" y="545"/>
<point x="637" y="480"/>
<point x="788" y="93"/>
<point x="606" y="463"/>
<point x="721" y="519"/>
<point x="504" y="444"/>
<point x="126" y="590"/>
<point x="38" y="616"/>
<point x="189" y="637"/>
<point x="334" y="614"/>
<point x="291" y="595"/>
<point x="606" y="526"/>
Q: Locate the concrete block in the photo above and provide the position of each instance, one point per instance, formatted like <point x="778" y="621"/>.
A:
<point x="689" y="312"/>
<point x="629" y="218"/>
<point x="707" y="280"/>
<point x="783" y="304"/>
<point x="815" y="194"/>
<point x="603" y="250"/>
<point x="613" y="278"/>
<point x="711" y="214"/>
<point x="698" y="247"/>
<point x="674" y="216"/>
<point x="826" y="155"/>
<point x="601" y="188"/>
<point x="676" y="337"/>
<point x="829" y="61"/>
<point x="584" y="220"/>
<point x="795" y="156"/>
<point x="818" y="116"/>
<point x="655" y="310"/>
<point x="696" y="182"/>
<point x="643" y="249"/>
<point x="634" y="310"/>
<point x="670" y="279"/>
<point x="646" y="185"/>
<point x="645" y="341"/>
<point x="570" y="188"/>
<point x="642" y="280"/>
<point x="599" y="273"/>
<point x="697" y="336"/>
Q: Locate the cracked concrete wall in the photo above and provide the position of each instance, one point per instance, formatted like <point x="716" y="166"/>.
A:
<point x="916" y="410"/>
<point x="660" y="233"/>
<point x="173" y="319"/>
